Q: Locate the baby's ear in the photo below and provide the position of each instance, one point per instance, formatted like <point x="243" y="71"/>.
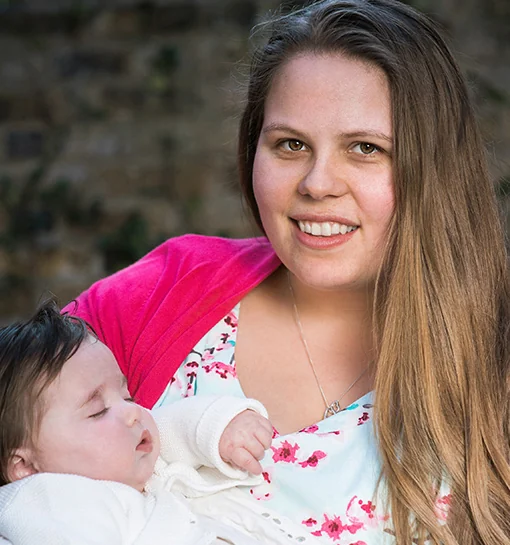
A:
<point x="20" y="465"/>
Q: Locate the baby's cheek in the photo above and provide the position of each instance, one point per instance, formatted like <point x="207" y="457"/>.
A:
<point x="152" y="427"/>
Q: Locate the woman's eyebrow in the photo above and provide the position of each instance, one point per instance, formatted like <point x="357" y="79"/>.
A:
<point x="368" y="134"/>
<point x="346" y="135"/>
<point x="282" y="128"/>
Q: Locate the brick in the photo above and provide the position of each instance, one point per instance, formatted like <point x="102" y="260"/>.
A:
<point x="24" y="144"/>
<point x="241" y="12"/>
<point x="22" y="107"/>
<point x="178" y="17"/>
<point x="91" y="61"/>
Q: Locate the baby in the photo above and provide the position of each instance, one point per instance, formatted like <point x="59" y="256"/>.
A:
<point x="82" y="463"/>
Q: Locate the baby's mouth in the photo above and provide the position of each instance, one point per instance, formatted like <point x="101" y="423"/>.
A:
<point x="145" y="444"/>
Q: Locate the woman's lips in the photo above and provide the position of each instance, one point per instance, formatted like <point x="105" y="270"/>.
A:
<point x="145" y="444"/>
<point x="323" y="242"/>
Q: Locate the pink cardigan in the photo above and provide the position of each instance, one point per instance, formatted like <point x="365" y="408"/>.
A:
<point x="152" y="313"/>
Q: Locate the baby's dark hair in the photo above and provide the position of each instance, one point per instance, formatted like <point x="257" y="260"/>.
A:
<point x="32" y="354"/>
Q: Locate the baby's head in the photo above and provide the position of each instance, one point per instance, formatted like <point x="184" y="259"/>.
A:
<point x="65" y="406"/>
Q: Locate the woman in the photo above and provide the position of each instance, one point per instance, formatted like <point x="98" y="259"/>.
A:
<point x="380" y="291"/>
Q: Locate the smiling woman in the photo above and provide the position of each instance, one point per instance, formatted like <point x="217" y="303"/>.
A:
<point x="328" y="168"/>
<point x="373" y="318"/>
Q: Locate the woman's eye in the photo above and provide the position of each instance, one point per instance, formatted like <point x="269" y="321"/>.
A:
<point x="366" y="148"/>
<point x="293" y="145"/>
<point x="100" y="413"/>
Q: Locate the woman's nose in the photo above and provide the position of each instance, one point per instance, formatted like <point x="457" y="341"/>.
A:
<point x="323" y="179"/>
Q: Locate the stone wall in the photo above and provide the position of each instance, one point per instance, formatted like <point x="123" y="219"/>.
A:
<point x="118" y="126"/>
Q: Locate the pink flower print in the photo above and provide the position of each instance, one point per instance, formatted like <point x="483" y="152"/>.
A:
<point x="367" y="507"/>
<point x="310" y="429"/>
<point x="442" y="507"/>
<point x="358" y="543"/>
<point x="363" y="418"/>
<point x="178" y="383"/>
<point x="192" y="364"/>
<point x="231" y="320"/>
<point x="328" y="433"/>
<point x="190" y="390"/>
<point x="363" y="513"/>
<point x="309" y="522"/>
<point x="286" y="453"/>
<point x="333" y="527"/>
<point x="191" y="379"/>
<point x="314" y="429"/>
<point x="275" y="433"/>
<point x="221" y="369"/>
<point x="262" y="492"/>
<point x="313" y="460"/>
<point x="354" y="527"/>
<point x="208" y="354"/>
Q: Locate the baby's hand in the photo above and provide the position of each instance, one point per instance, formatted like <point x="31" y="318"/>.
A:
<point x="245" y="440"/>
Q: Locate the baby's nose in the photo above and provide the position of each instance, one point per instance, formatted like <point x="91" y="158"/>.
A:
<point x="133" y="413"/>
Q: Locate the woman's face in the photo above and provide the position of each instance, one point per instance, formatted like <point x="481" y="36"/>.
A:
<point x="322" y="173"/>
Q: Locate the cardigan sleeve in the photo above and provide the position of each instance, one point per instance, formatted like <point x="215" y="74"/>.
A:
<point x="190" y="430"/>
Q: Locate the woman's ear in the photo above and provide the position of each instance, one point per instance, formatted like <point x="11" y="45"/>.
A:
<point x="20" y="465"/>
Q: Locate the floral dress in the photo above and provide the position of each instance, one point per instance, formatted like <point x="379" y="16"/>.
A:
<point x="322" y="477"/>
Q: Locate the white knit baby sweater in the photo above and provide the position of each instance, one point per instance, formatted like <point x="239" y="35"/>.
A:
<point x="180" y="507"/>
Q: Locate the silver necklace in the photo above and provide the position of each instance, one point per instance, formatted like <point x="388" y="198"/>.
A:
<point x="334" y="407"/>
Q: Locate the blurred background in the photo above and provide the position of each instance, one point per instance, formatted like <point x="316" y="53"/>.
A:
<point x="118" y="123"/>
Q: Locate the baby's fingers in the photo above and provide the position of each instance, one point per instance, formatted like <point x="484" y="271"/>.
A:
<point x="264" y="433"/>
<point x="244" y="459"/>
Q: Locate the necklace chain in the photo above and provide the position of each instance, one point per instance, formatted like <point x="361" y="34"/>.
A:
<point x="334" y="407"/>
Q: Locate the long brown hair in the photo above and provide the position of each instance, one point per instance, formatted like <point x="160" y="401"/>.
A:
<point x="442" y="305"/>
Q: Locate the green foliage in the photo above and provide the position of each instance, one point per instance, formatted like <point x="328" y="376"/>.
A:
<point x="164" y="64"/>
<point x="167" y="60"/>
<point x="30" y="208"/>
<point x="127" y="243"/>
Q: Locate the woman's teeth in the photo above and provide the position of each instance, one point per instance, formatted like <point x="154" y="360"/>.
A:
<point x="325" y="229"/>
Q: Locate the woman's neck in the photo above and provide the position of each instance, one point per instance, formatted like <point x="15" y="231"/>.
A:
<point x="350" y="303"/>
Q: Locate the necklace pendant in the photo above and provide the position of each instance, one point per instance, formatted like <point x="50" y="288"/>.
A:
<point x="332" y="409"/>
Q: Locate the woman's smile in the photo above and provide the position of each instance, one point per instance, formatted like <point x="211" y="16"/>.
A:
<point x="323" y="177"/>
